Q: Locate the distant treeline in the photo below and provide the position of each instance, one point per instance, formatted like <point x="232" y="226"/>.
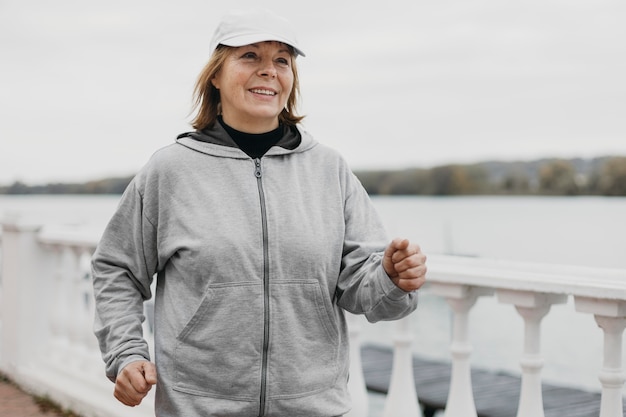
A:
<point x="604" y="176"/>
<point x="104" y="186"/>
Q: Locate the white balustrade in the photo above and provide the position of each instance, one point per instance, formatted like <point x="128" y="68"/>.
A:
<point x="356" y="383"/>
<point x="47" y="344"/>
<point x="532" y="307"/>
<point x="59" y="312"/>
<point x="402" y="399"/>
<point x="611" y="318"/>
<point x="22" y="302"/>
<point x="461" y="299"/>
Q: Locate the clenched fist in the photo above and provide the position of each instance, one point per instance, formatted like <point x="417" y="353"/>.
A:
<point x="134" y="382"/>
<point x="405" y="264"/>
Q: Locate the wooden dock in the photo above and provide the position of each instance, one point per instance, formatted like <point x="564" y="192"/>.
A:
<point x="496" y="394"/>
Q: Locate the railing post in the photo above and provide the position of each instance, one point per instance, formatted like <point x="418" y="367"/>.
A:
<point x="24" y="296"/>
<point x="611" y="318"/>
<point x="93" y="358"/>
<point x="461" y="299"/>
<point x="402" y="397"/>
<point x="532" y="307"/>
<point x="73" y="347"/>
<point x="84" y="342"/>
<point x="60" y="314"/>
<point x="356" y="384"/>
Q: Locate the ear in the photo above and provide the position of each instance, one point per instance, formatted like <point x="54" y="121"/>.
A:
<point x="215" y="83"/>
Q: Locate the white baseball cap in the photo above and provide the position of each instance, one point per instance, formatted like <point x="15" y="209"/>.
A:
<point x="244" y="27"/>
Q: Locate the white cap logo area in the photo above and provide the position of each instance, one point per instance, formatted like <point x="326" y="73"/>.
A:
<point x="244" y="27"/>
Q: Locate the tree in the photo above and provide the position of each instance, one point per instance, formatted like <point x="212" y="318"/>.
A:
<point x="18" y="187"/>
<point x="558" y="177"/>
<point x="516" y="183"/>
<point x="457" y="179"/>
<point x="612" y="178"/>
<point x="406" y="182"/>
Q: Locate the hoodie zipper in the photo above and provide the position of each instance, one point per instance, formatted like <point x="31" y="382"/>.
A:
<point x="258" y="173"/>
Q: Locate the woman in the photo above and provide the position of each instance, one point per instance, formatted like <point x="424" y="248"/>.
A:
<point x="260" y="238"/>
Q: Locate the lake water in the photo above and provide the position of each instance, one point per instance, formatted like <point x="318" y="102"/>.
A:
<point x="586" y="231"/>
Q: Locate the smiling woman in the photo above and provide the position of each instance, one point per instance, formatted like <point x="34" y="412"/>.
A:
<point x="260" y="238"/>
<point x="254" y="83"/>
<point x="233" y="50"/>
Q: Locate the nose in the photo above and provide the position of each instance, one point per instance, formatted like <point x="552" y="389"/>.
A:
<point x="267" y="69"/>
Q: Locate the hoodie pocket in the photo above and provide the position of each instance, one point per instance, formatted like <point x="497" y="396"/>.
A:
<point x="218" y="351"/>
<point x="304" y="345"/>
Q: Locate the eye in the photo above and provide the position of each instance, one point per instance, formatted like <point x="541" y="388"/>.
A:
<point x="249" y="55"/>
<point x="283" y="61"/>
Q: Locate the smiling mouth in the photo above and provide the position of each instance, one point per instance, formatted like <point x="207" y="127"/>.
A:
<point x="263" y="91"/>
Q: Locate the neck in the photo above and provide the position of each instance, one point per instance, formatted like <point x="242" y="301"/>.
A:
<point x="251" y="126"/>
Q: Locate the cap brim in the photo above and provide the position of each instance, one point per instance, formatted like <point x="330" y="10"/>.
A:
<point x="242" y="40"/>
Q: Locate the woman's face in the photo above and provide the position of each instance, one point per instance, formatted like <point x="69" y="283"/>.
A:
<point x="255" y="83"/>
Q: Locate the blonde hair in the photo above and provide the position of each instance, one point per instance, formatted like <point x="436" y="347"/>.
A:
<point x="206" y="97"/>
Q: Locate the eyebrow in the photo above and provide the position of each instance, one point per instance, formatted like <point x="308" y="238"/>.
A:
<point x="285" y="47"/>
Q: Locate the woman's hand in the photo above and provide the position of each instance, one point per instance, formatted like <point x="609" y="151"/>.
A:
<point x="134" y="382"/>
<point x="405" y="264"/>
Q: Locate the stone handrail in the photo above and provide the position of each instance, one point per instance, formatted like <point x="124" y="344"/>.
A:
<point x="532" y="289"/>
<point x="47" y="344"/>
<point x="46" y="315"/>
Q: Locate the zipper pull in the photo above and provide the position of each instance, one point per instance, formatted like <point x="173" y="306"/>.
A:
<point x="257" y="168"/>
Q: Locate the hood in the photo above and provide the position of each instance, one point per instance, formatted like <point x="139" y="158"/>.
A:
<point x="217" y="142"/>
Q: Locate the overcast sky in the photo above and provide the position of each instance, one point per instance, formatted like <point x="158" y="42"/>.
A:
<point x="90" y="89"/>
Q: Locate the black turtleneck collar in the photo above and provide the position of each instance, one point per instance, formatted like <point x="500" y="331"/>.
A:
<point x="255" y="145"/>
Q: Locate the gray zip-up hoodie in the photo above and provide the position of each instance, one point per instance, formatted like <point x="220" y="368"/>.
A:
<point x="255" y="259"/>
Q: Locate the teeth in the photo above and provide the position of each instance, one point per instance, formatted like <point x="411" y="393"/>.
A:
<point x="266" y="92"/>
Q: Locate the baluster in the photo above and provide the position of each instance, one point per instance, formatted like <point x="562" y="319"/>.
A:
<point x="24" y="329"/>
<point x="76" y="303"/>
<point x="60" y="314"/>
<point x="612" y="377"/>
<point x="461" y="299"/>
<point x="79" y="320"/>
<point x="532" y="307"/>
<point x="93" y="360"/>
<point x="89" y="303"/>
<point x="356" y="384"/>
<point x="402" y="397"/>
<point x="610" y="315"/>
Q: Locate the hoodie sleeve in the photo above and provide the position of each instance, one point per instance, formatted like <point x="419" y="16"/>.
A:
<point x="122" y="268"/>
<point x="364" y="287"/>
